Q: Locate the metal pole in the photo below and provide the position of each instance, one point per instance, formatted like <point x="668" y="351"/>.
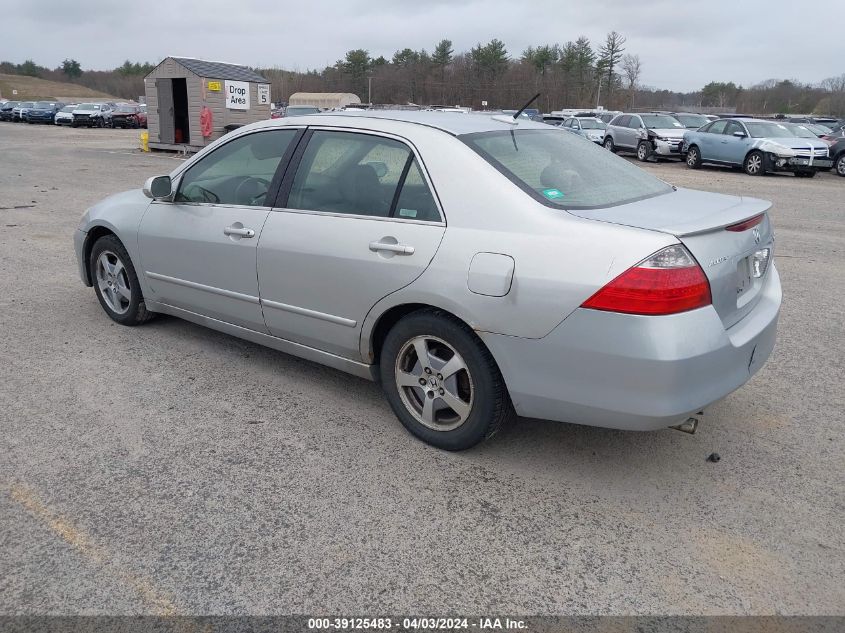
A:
<point x="370" y="90"/>
<point x="598" y="96"/>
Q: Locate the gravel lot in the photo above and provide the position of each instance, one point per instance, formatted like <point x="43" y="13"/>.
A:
<point x="171" y="469"/>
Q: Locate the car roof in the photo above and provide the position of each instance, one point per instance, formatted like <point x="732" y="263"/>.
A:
<point x="449" y="122"/>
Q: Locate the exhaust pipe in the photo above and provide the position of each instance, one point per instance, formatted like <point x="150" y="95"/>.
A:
<point x="690" y="426"/>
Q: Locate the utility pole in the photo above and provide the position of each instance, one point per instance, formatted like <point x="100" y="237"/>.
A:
<point x="598" y="95"/>
<point x="370" y="89"/>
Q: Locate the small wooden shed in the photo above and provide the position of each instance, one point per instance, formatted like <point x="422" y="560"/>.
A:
<point x="178" y="89"/>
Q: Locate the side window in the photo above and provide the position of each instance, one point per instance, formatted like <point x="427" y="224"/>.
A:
<point x="718" y="127"/>
<point x="622" y="121"/>
<point x="347" y="172"/>
<point x="635" y="123"/>
<point x="415" y="202"/>
<point x="239" y="172"/>
<point x="733" y="127"/>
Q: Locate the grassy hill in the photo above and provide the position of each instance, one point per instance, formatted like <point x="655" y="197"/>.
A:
<point x="33" y="88"/>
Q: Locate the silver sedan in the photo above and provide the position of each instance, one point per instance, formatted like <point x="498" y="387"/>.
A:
<point x="475" y="266"/>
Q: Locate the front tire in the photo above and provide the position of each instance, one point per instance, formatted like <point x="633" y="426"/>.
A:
<point x="442" y="382"/>
<point x="643" y="151"/>
<point x="693" y="157"/>
<point x="753" y="165"/>
<point x="116" y="283"/>
<point x="839" y="165"/>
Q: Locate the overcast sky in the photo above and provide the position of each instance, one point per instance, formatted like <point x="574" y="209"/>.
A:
<point x="682" y="44"/>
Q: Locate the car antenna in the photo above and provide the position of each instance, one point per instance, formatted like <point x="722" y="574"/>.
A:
<point x="522" y="109"/>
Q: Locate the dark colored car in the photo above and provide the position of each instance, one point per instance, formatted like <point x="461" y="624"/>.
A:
<point x="44" y="112"/>
<point x="6" y="110"/>
<point x="301" y="110"/>
<point x="125" y="115"/>
<point x="837" y="153"/>
<point x="690" y="120"/>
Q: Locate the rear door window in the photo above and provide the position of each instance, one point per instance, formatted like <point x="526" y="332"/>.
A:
<point x="361" y="174"/>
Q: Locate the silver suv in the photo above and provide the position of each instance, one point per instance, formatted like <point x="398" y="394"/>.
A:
<point x="645" y="134"/>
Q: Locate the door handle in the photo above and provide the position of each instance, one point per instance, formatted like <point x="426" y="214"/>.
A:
<point x="399" y="249"/>
<point x="239" y="231"/>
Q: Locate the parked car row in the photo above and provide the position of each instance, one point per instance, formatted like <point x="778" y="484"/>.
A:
<point x="125" y="115"/>
<point x="760" y="146"/>
<point x="757" y="146"/>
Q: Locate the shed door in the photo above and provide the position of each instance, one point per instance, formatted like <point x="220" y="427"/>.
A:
<point x="166" y="126"/>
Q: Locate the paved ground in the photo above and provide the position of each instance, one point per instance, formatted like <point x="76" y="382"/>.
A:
<point x="171" y="469"/>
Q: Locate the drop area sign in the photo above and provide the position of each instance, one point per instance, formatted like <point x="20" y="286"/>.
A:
<point x="237" y="95"/>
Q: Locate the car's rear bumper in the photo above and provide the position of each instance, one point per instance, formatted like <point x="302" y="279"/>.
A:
<point x="636" y="372"/>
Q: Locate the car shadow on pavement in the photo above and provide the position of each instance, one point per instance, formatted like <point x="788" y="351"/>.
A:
<point x="523" y="443"/>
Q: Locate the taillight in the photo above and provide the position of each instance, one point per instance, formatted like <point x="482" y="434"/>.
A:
<point x="668" y="282"/>
<point x="739" y="227"/>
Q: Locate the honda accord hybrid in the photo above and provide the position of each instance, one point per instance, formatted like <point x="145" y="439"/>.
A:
<point x="476" y="267"/>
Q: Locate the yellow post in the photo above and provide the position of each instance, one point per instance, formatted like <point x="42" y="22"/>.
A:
<point x="145" y="141"/>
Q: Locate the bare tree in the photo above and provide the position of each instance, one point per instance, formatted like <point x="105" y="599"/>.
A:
<point x="632" y="66"/>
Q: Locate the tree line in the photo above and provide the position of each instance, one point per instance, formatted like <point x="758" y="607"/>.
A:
<point x="575" y="74"/>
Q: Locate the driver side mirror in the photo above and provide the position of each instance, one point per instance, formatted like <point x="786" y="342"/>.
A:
<point x="739" y="134"/>
<point x="158" y="187"/>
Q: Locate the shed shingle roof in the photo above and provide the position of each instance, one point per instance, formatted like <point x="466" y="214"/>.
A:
<point x="220" y="70"/>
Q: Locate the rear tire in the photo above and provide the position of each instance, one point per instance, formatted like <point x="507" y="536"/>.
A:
<point x="753" y="164"/>
<point x="839" y="165"/>
<point x="609" y="145"/>
<point x="116" y="283"/>
<point x="693" y="157"/>
<point x="442" y="382"/>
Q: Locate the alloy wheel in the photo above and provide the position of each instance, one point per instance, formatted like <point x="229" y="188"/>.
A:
<point x="434" y="383"/>
<point x="754" y="164"/>
<point x="692" y="157"/>
<point x="840" y="165"/>
<point x="113" y="282"/>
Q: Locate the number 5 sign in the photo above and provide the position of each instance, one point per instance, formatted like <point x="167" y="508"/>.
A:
<point x="263" y="94"/>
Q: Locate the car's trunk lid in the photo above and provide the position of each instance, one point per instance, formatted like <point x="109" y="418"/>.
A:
<point x="698" y="220"/>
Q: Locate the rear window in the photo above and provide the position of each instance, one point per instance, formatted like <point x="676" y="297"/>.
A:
<point x="692" y="120"/>
<point x="660" y="121"/>
<point x="562" y="171"/>
<point x="764" y="129"/>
